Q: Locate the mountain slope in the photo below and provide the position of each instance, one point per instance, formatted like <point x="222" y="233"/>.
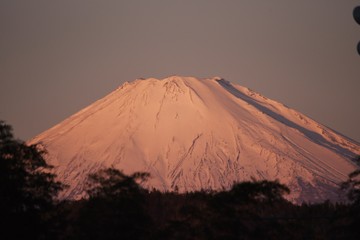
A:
<point x="192" y="134"/>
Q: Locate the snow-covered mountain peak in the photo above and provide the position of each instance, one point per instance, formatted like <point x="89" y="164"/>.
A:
<point x="192" y="134"/>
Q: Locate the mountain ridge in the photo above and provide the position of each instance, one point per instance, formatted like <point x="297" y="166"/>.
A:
<point x="193" y="134"/>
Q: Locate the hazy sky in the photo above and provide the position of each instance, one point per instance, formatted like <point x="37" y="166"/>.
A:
<point x="57" y="57"/>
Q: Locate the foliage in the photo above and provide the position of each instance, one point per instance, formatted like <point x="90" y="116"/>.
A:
<point x="352" y="185"/>
<point x="27" y="187"/>
<point x="112" y="183"/>
<point x="256" y="192"/>
<point x="115" y="208"/>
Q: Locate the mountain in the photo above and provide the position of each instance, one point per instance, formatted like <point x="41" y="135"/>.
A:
<point x="193" y="134"/>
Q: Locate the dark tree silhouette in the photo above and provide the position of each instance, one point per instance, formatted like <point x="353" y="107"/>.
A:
<point x="352" y="185"/>
<point x="112" y="183"/>
<point x="115" y="208"/>
<point x="256" y="192"/>
<point x="27" y="187"/>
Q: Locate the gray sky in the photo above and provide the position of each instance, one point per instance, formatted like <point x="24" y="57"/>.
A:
<point x="57" y="57"/>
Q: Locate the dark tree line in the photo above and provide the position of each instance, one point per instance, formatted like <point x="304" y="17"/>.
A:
<point x="27" y="188"/>
<point x="118" y="207"/>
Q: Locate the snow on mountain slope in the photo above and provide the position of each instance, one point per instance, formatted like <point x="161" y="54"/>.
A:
<point x="192" y="134"/>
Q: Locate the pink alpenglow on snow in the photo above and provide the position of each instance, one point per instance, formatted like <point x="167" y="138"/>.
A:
<point x="192" y="134"/>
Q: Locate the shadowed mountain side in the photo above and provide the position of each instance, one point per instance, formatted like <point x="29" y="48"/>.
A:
<point x="311" y="135"/>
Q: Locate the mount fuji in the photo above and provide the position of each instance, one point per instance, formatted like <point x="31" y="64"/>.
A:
<point x="192" y="134"/>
